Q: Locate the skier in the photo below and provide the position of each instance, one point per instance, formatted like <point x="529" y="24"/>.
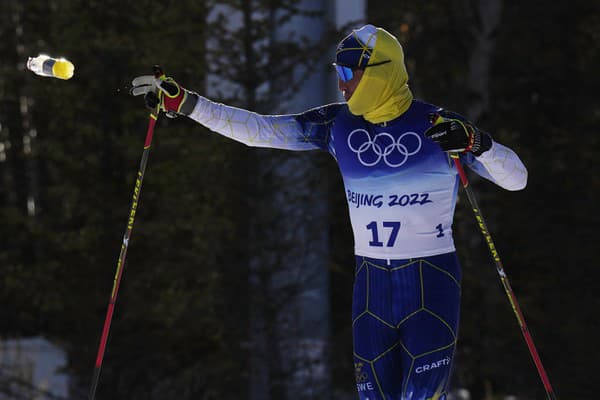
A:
<point x="401" y="188"/>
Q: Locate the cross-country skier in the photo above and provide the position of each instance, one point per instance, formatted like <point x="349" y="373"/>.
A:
<point x="401" y="187"/>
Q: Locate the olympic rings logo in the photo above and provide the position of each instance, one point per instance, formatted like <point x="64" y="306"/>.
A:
<point x="383" y="146"/>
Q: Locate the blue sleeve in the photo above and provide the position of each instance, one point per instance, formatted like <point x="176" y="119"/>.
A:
<point x="305" y="131"/>
<point x="317" y="124"/>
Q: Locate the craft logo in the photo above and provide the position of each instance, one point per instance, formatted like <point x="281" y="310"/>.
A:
<point x="433" y="365"/>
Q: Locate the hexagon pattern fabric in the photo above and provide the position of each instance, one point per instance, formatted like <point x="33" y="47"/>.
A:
<point x="405" y="318"/>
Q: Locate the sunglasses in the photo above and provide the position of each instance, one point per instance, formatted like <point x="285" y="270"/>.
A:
<point x="346" y="73"/>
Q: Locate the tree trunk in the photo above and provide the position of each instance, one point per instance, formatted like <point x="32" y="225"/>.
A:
<point x="288" y="230"/>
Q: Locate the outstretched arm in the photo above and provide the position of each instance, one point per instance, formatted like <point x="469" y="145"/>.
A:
<point x="305" y="131"/>
<point x="291" y="132"/>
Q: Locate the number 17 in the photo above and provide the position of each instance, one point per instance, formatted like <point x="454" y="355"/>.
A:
<point x="372" y="226"/>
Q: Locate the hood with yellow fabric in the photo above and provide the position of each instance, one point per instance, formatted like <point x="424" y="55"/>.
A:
<point x="382" y="93"/>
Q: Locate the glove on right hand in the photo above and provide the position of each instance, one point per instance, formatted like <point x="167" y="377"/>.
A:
<point x="456" y="136"/>
<point x="158" y="89"/>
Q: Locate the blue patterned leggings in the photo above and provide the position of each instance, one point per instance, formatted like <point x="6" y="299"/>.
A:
<point x="405" y="322"/>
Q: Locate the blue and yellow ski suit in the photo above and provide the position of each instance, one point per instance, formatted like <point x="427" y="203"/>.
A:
<point x="401" y="192"/>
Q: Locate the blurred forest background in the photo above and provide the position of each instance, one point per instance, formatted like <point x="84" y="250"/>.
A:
<point x="203" y="295"/>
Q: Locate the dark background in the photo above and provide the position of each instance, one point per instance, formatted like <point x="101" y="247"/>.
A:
<point x="527" y="72"/>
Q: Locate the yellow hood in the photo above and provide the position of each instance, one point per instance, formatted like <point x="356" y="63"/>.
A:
<point x="383" y="93"/>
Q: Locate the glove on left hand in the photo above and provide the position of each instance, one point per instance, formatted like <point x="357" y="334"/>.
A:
<point x="454" y="135"/>
<point x="158" y="89"/>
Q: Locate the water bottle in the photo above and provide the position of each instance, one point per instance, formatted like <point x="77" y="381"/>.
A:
<point x="44" y="65"/>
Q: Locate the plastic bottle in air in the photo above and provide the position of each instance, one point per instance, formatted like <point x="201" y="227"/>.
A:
<point x="44" y="65"/>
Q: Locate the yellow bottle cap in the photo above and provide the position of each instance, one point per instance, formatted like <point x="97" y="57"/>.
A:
<point x="63" y="69"/>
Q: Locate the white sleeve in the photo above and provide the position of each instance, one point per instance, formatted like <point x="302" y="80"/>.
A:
<point x="500" y="165"/>
<point x="253" y="129"/>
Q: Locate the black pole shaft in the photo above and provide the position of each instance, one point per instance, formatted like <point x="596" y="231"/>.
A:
<point x="121" y="260"/>
<point x="504" y="279"/>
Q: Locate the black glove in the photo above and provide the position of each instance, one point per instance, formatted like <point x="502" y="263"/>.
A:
<point x="158" y="89"/>
<point x="458" y="136"/>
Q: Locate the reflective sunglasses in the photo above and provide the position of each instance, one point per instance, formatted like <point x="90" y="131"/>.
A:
<point x="346" y="73"/>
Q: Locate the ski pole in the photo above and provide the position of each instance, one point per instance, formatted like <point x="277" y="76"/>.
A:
<point x="505" y="283"/>
<point x="121" y="261"/>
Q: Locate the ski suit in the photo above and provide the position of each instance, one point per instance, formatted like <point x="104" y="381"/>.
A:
<point x="401" y="191"/>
